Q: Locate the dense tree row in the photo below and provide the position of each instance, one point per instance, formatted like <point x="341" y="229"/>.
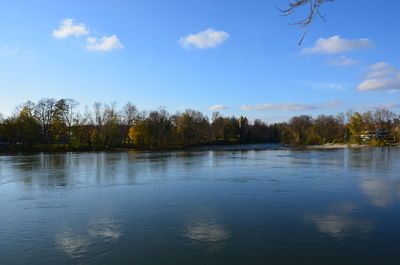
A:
<point x="58" y="125"/>
<point x="381" y="126"/>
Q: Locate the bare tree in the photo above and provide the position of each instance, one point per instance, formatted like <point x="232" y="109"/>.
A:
<point x="313" y="7"/>
<point x="70" y="114"/>
<point x="130" y="114"/>
<point x="384" y="119"/>
<point x="98" y="118"/>
<point x="349" y="114"/>
<point x="44" y="111"/>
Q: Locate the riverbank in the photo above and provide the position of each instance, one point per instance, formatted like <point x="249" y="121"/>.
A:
<point x="340" y="146"/>
<point x="215" y="147"/>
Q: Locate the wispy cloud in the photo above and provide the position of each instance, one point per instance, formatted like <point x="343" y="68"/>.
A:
<point x="380" y="69"/>
<point x="218" y="107"/>
<point x="379" y="106"/>
<point x="287" y="106"/>
<point x="204" y="39"/>
<point x="342" y="60"/>
<point x="329" y="86"/>
<point x="332" y="104"/>
<point x="103" y="44"/>
<point x="335" y="44"/>
<point x="292" y="106"/>
<point x="382" y="76"/>
<point x="69" y="27"/>
<point x="6" y="51"/>
<point x="323" y="86"/>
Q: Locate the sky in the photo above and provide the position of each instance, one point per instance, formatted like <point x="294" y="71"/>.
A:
<point x="237" y="57"/>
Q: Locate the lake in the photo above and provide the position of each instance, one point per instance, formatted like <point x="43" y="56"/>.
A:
<point x="225" y="206"/>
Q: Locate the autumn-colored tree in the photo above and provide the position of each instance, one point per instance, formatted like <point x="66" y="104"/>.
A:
<point x="56" y="125"/>
<point x="138" y="134"/>
<point x="23" y="128"/>
<point x="356" y="126"/>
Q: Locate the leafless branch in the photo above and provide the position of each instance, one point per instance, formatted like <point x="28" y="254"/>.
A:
<point x="314" y="10"/>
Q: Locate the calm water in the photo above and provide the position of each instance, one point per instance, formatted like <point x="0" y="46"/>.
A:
<point x="202" y="207"/>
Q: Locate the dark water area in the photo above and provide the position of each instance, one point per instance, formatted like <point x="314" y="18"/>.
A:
<point x="250" y="206"/>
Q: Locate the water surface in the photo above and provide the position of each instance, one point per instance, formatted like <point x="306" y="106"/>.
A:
<point x="202" y="207"/>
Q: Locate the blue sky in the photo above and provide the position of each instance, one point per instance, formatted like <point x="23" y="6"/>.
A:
<point x="240" y="57"/>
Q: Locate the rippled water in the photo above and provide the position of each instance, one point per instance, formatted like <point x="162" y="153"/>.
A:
<point x="202" y="207"/>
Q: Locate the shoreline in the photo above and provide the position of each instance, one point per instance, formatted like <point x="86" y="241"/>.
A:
<point x="217" y="147"/>
<point x="341" y="146"/>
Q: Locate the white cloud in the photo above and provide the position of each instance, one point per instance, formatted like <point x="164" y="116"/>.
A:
<point x="380" y="69"/>
<point x="204" y="39"/>
<point x="379" y="106"/>
<point x="382" y="76"/>
<point x="335" y="45"/>
<point x="379" y="66"/>
<point x="218" y="107"/>
<point x="332" y="104"/>
<point x="288" y="106"/>
<point x="377" y="84"/>
<point x="68" y="27"/>
<point x="342" y="60"/>
<point x="104" y="44"/>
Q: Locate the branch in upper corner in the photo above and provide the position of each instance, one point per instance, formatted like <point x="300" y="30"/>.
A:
<point x="314" y="10"/>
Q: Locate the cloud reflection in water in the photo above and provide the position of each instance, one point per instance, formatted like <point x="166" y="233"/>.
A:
<point x="207" y="232"/>
<point x="105" y="229"/>
<point x="381" y="192"/>
<point x="340" y="226"/>
<point x="72" y="244"/>
<point x="100" y="231"/>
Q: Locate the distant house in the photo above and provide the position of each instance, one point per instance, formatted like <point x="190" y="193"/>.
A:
<point x="382" y="134"/>
<point x="376" y="134"/>
<point x="367" y="135"/>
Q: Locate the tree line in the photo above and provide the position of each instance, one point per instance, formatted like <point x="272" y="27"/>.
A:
<point x="379" y="127"/>
<point x="51" y="124"/>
